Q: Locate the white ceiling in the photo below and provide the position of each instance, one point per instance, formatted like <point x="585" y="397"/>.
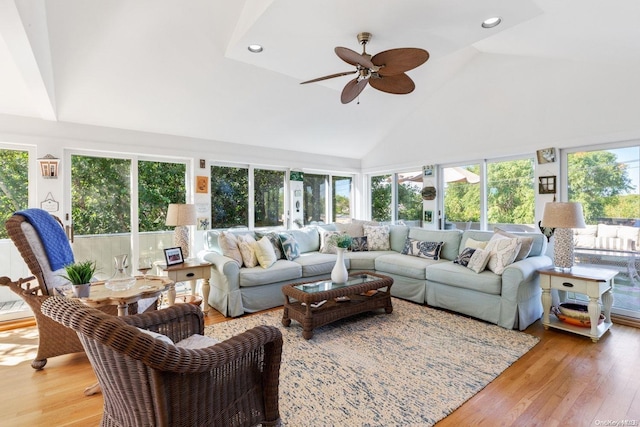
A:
<point x="182" y="68"/>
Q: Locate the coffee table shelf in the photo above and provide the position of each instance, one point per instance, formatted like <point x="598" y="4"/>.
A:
<point x="300" y="296"/>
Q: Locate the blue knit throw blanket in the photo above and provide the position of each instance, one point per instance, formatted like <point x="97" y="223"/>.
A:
<point x="52" y="236"/>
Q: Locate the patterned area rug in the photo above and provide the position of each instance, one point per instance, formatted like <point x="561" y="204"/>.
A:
<point x="409" y="368"/>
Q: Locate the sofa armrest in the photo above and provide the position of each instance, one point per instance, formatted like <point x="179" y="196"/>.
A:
<point x="224" y="293"/>
<point x="522" y="272"/>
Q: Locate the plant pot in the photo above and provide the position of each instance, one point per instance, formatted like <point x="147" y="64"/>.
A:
<point x="82" y="291"/>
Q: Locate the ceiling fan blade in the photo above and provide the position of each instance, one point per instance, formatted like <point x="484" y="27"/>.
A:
<point x="397" y="61"/>
<point x="352" y="90"/>
<point x="399" y="84"/>
<point x="331" y="76"/>
<point x="352" y="57"/>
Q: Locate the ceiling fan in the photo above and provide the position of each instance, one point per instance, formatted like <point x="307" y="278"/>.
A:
<point x="384" y="71"/>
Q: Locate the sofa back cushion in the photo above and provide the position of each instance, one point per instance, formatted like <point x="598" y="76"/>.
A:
<point x="211" y="238"/>
<point x="450" y="238"/>
<point x="308" y="239"/>
<point x="397" y="237"/>
<point x="539" y="246"/>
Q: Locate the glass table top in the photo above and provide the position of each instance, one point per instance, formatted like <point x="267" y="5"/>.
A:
<point x="328" y="285"/>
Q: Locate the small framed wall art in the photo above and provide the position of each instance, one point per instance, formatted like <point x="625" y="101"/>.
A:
<point x="546" y="155"/>
<point x="547" y="185"/>
<point x="201" y="184"/>
<point x="428" y="217"/>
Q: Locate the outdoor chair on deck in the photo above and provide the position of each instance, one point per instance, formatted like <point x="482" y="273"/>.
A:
<point x="46" y="258"/>
<point x="146" y="380"/>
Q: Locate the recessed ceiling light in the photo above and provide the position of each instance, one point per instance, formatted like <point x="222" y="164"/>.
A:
<point x="255" y="48"/>
<point x="491" y="22"/>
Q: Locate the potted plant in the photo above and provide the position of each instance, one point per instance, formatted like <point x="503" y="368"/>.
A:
<point x="80" y="275"/>
<point x="342" y="240"/>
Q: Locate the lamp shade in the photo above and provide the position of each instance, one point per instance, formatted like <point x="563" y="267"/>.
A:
<point x="563" y="215"/>
<point x="181" y="214"/>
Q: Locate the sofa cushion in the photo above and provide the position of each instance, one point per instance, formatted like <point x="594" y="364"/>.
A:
<point x="265" y="253"/>
<point x="281" y="270"/>
<point x="473" y="243"/>
<point x="308" y="239"/>
<point x="290" y="246"/>
<point x="247" y="245"/>
<point x="274" y="238"/>
<point x="422" y="249"/>
<point x="403" y="265"/>
<point x="461" y="277"/>
<point x="525" y="241"/>
<point x="503" y="253"/>
<point x="539" y="246"/>
<point x="397" y="237"/>
<point x="451" y="239"/>
<point x="478" y="260"/>
<point x="327" y="244"/>
<point x="464" y="257"/>
<point x="316" y="263"/>
<point x="228" y="243"/>
<point x="354" y="227"/>
<point x="377" y="237"/>
<point x="365" y="260"/>
<point x="359" y="244"/>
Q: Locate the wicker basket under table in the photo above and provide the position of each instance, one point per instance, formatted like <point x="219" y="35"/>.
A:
<point x="354" y="289"/>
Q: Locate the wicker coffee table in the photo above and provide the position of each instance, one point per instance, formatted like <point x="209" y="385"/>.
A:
<point x="362" y="292"/>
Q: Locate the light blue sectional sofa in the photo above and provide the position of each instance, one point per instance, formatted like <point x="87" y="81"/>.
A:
<point x="511" y="300"/>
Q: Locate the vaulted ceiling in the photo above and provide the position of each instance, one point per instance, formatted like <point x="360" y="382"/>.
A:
<point x="553" y="73"/>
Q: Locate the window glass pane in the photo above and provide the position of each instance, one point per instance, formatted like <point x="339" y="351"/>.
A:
<point x="341" y="198"/>
<point x="510" y="195"/>
<point x="14" y="184"/>
<point x="100" y="195"/>
<point x="606" y="183"/>
<point x="159" y="183"/>
<point x="381" y="197"/>
<point x="410" y="198"/>
<point x="229" y="196"/>
<point x="315" y="203"/>
<point x="268" y="197"/>
<point x="462" y="197"/>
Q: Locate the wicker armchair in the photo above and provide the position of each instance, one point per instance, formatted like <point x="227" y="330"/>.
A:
<point x="146" y="381"/>
<point x="53" y="338"/>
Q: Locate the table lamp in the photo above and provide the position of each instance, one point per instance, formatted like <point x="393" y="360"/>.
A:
<point x="181" y="216"/>
<point x="563" y="216"/>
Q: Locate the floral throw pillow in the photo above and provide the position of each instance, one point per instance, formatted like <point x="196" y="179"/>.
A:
<point x="228" y="243"/>
<point x="359" y="244"/>
<point x="377" y="237"/>
<point x="247" y="245"/>
<point x="503" y="253"/>
<point x="422" y="249"/>
<point x="327" y="244"/>
<point x="479" y="259"/>
<point x="464" y="257"/>
<point x="289" y="246"/>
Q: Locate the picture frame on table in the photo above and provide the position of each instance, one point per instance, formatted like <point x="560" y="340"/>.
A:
<point x="173" y="256"/>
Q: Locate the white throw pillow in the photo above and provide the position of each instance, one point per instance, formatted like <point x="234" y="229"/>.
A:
<point x="228" y="243"/>
<point x="475" y="244"/>
<point x="247" y="245"/>
<point x="156" y="335"/>
<point x="197" y="341"/>
<point x="265" y="253"/>
<point x="503" y="253"/>
<point x="479" y="259"/>
<point x="377" y="237"/>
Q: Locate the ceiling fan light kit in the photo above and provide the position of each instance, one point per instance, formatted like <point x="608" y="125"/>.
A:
<point x="384" y="71"/>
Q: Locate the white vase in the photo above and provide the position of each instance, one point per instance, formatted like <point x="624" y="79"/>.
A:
<point x="339" y="274"/>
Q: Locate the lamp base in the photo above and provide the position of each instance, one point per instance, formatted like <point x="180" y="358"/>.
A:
<point x="563" y="249"/>
<point x="181" y="239"/>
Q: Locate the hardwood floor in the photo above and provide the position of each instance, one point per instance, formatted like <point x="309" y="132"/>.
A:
<point x="564" y="380"/>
